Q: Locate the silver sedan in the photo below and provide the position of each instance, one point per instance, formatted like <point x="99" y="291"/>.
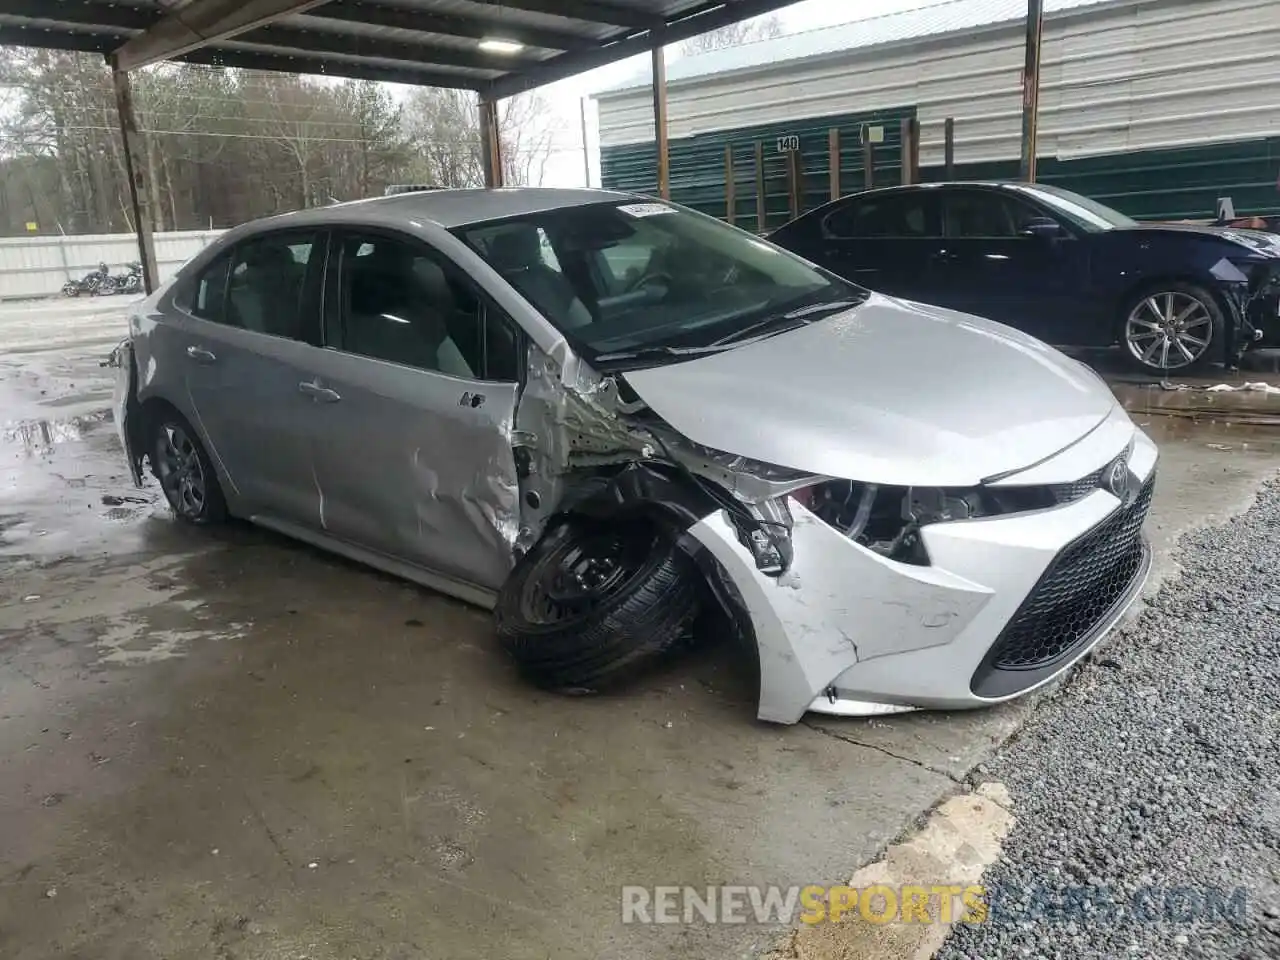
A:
<point x="600" y="415"/>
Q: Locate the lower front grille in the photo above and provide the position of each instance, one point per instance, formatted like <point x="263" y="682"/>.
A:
<point x="1077" y="592"/>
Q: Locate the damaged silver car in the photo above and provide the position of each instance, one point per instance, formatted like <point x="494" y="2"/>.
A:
<point x="599" y="415"/>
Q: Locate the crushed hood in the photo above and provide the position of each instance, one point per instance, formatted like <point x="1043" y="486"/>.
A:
<point x="887" y="392"/>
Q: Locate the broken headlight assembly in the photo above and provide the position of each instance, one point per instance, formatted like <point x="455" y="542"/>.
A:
<point x="888" y="519"/>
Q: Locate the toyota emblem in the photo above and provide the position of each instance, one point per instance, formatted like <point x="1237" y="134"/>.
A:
<point x="1117" y="480"/>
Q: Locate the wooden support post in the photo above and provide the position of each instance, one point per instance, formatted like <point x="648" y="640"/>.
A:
<point x="1031" y="88"/>
<point x="795" y="183"/>
<point x="136" y="172"/>
<point x="908" y="150"/>
<point x="660" y="122"/>
<point x="490" y="143"/>
<point x="730" y="186"/>
<point x="868" y="164"/>
<point x="833" y="152"/>
<point x="762" y="207"/>
<point x="949" y="149"/>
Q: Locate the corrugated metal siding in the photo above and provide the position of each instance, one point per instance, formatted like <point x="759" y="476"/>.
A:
<point x="1116" y="78"/>
<point x="928" y="20"/>
<point x="697" y="165"/>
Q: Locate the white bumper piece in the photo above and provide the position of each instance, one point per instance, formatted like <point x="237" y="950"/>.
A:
<point x="846" y="631"/>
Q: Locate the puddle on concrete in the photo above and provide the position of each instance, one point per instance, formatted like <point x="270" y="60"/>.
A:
<point x="36" y="436"/>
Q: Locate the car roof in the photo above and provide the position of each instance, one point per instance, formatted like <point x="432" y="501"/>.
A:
<point x="449" y="208"/>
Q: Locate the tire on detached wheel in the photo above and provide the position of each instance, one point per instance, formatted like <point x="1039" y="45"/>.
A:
<point x="1171" y="326"/>
<point x="594" y="601"/>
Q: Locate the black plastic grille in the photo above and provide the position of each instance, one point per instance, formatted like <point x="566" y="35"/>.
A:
<point x="1081" y="586"/>
<point x="1069" y="492"/>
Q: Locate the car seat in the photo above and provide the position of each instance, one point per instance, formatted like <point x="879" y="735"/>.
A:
<point x="517" y="255"/>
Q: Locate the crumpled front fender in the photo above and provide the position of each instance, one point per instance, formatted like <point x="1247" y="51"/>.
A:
<point x="125" y="407"/>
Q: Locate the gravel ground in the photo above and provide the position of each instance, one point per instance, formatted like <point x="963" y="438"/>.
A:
<point x="1150" y="785"/>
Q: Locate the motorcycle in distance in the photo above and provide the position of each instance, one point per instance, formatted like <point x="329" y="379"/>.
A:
<point x="96" y="282"/>
<point x="131" y="281"/>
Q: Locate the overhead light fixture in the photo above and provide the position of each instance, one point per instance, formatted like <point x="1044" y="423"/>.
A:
<point x="495" y="45"/>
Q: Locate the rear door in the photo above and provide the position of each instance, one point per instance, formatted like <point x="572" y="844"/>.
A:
<point x="993" y="268"/>
<point x="888" y="241"/>
<point x="246" y="333"/>
<point x="416" y="395"/>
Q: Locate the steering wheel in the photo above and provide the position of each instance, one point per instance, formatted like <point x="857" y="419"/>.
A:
<point x="645" y="280"/>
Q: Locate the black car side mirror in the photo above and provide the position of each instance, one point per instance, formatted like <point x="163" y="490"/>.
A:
<point x="1043" y="228"/>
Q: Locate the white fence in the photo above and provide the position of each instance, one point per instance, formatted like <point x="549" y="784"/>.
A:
<point x="39" y="266"/>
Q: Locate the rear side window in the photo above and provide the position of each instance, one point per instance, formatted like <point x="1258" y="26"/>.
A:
<point x="909" y="215"/>
<point x="208" y="299"/>
<point x="268" y="276"/>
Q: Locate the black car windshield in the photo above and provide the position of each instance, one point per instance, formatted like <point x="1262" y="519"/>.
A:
<point x="620" y="278"/>
<point x="1088" y="215"/>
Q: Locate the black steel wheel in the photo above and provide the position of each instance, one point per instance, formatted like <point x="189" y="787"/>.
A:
<point x="184" y="470"/>
<point x="593" y="601"/>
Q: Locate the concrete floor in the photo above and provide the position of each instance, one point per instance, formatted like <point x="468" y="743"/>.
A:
<point x="229" y="745"/>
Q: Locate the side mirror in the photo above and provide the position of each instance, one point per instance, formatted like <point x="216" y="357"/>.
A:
<point x="1043" y="228"/>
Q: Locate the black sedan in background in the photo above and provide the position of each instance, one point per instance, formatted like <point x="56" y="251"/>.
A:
<point x="1054" y="264"/>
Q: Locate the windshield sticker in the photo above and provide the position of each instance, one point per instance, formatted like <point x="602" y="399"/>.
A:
<point x="645" y="209"/>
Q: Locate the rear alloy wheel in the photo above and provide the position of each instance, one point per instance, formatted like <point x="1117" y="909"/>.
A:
<point x="1172" y="328"/>
<point x="592" y="602"/>
<point x="185" y="472"/>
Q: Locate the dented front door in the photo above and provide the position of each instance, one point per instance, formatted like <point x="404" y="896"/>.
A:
<point x="417" y="465"/>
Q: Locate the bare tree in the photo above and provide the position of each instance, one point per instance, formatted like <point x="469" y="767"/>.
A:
<point x="757" y="28"/>
<point x="443" y="131"/>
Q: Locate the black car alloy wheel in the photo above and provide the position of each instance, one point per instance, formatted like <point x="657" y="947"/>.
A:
<point x="1171" y="329"/>
<point x="185" y="472"/>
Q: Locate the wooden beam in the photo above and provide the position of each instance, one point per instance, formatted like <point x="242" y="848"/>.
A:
<point x="1031" y="88"/>
<point x="136" y="173"/>
<point x="490" y="143"/>
<point x="868" y="164"/>
<point x="200" y="23"/>
<point x="660" y="121"/>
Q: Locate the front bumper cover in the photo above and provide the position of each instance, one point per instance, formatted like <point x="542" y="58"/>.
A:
<point x="846" y="631"/>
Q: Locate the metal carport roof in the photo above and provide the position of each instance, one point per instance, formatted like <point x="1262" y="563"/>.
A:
<point x="443" y="43"/>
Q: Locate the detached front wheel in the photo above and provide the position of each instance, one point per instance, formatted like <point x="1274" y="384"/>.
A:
<point x="1171" y="327"/>
<point x="593" y="601"/>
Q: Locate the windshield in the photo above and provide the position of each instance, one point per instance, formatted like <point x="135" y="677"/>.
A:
<point x="1088" y="215"/>
<point x="617" y="278"/>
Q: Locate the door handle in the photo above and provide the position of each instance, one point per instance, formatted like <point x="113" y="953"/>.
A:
<point x="200" y="355"/>
<point x="319" y="393"/>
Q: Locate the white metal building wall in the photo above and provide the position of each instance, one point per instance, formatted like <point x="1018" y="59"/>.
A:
<point x="1115" y="77"/>
<point x="39" y="266"/>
